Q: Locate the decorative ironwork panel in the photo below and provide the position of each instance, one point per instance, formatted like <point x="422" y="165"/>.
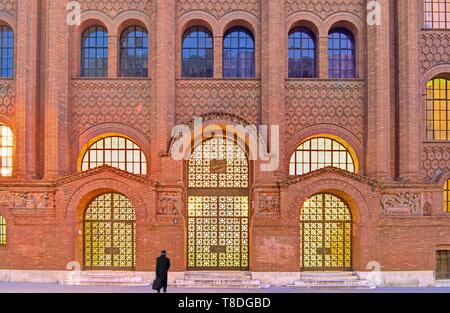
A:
<point x="2" y="231"/>
<point x="326" y="230"/>
<point x="218" y="207"/>
<point x="110" y="234"/>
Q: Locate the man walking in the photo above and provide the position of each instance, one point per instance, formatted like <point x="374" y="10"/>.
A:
<point x="162" y="268"/>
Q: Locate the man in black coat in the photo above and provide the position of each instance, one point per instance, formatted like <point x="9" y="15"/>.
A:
<point x="162" y="268"/>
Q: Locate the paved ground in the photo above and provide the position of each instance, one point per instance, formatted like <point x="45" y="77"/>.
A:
<point x="56" y="288"/>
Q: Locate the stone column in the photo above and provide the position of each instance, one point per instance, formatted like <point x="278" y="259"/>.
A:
<point x="379" y="96"/>
<point x="409" y="104"/>
<point x="218" y="50"/>
<point x="26" y="89"/>
<point x="163" y="81"/>
<point x="273" y="72"/>
<point x="56" y="90"/>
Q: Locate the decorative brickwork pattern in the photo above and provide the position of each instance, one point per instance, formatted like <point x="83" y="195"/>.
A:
<point x="111" y="101"/>
<point x="7" y="103"/>
<point x="435" y="161"/>
<point x="435" y="49"/>
<point x="219" y="8"/>
<point x="9" y="6"/>
<point x="114" y="7"/>
<point x="325" y="8"/>
<point x="311" y="103"/>
<point x="199" y="97"/>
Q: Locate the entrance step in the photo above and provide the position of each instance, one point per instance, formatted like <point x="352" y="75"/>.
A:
<point x="219" y="280"/>
<point x="331" y="280"/>
<point x="442" y="283"/>
<point x="104" y="279"/>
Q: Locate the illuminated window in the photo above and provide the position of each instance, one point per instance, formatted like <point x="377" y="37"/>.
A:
<point x="117" y="152"/>
<point x="6" y="151"/>
<point x="302" y="53"/>
<point x="238" y="53"/>
<point x="2" y="231"/>
<point x="447" y="196"/>
<point x="321" y="152"/>
<point x="437" y="14"/>
<point x="198" y="52"/>
<point x="438" y="109"/>
<point x="94" y="52"/>
<point x="134" y="52"/>
<point x="6" y="52"/>
<point x="341" y="54"/>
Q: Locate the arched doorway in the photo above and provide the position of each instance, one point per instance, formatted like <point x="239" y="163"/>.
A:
<point x="218" y="206"/>
<point x="326" y="234"/>
<point x="110" y="234"/>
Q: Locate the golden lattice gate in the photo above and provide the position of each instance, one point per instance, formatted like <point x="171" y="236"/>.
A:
<point x="218" y="206"/>
<point x="110" y="234"/>
<point x="326" y="234"/>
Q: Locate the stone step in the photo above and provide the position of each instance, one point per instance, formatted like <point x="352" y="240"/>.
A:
<point x="218" y="280"/>
<point x="206" y="286"/>
<point x="105" y="279"/>
<point x="331" y="280"/>
<point x="107" y="283"/>
<point x="218" y="274"/>
<point x="442" y="283"/>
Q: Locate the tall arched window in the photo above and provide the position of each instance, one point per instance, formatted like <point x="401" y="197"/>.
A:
<point x="118" y="152"/>
<point x="341" y="54"/>
<point x="438" y="109"/>
<point x="198" y="52"/>
<point x="437" y="14"/>
<point x="320" y="152"/>
<point x="447" y="196"/>
<point x="302" y="53"/>
<point x="2" y="231"/>
<point x="6" y="52"/>
<point x="94" y="52"/>
<point x="134" y="52"/>
<point x="6" y="151"/>
<point x="239" y="53"/>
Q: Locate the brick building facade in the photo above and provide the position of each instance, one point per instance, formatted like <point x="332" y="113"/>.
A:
<point x="391" y="199"/>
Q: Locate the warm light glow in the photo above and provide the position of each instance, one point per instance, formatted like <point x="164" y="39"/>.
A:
<point x="438" y="109"/>
<point x="447" y="196"/>
<point x="320" y="152"/>
<point x="118" y="152"/>
<point x="2" y="230"/>
<point x="326" y="234"/>
<point x="6" y="151"/>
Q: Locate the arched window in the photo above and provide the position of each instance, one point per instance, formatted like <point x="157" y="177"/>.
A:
<point x="134" y="52"/>
<point x="94" y="52"/>
<point x="437" y="14"/>
<point x="2" y="231"/>
<point x="6" y="151"/>
<point x="320" y="152"/>
<point x="341" y="54"/>
<point x="302" y="53"/>
<point x="239" y="53"/>
<point x="6" y="52"/>
<point x="198" y="52"/>
<point x="118" y="152"/>
<point x="438" y="109"/>
<point x="447" y="196"/>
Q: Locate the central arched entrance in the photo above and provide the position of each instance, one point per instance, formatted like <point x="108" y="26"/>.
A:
<point x="110" y="234"/>
<point x="326" y="234"/>
<point x="218" y="206"/>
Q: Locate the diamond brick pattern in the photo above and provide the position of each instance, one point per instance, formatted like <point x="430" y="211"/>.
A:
<point x="219" y="8"/>
<point x="435" y="49"/>
<point x="435" y="161"/>
<point x="7" y="103"/>
<point x="199" y="97"/>
<point x="9" y="6"/>
<point x="311" y="103"/>
<point x="325" y="8"/>
<point x="114" y="7"/>
<point x="111" y="101"/>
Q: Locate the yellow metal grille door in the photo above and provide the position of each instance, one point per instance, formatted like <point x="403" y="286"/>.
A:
<point x="218" y="207"/>
<point x="326" y="234"/>
<point x="110" y="234"/>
